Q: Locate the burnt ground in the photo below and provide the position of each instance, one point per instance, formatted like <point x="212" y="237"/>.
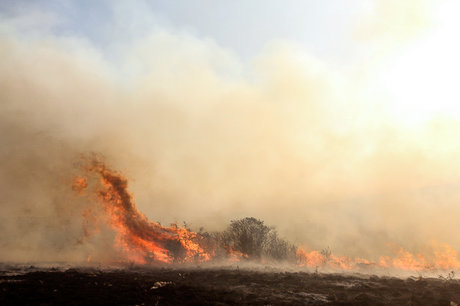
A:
<point x="161" y="286"/>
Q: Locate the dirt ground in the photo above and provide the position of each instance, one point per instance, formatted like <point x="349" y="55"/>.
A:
<point x="216" y="286"/>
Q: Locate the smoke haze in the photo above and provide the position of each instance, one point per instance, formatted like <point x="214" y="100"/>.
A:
<point x="313" y="149"/>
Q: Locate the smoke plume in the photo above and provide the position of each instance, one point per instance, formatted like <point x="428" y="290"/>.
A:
<point x="310" y="148"/>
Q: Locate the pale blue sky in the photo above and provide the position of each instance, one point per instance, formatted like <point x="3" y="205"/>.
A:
<point x="322" y="27"/>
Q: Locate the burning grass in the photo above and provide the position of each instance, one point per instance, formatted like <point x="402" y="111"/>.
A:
<point x="142" y="241"/>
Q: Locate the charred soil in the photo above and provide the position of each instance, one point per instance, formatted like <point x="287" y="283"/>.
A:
<point x="160" y="286"/>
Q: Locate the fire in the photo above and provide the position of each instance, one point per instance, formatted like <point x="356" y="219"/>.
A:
<point x="79" y="184"/>
<point x="447" y="258"/>
<point x="442" y="258"/>
<point x="321" y="259"/>
<point x="142" y="241"/>
<point x="234" y="255"/>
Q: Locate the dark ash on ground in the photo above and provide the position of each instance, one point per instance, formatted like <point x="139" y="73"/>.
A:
<point x="161" y="286"/>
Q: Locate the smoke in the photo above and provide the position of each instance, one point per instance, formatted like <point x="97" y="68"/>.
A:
<point x="204" y="138"/>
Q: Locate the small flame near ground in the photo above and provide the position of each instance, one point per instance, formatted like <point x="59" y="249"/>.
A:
<point x="142" y="241"/>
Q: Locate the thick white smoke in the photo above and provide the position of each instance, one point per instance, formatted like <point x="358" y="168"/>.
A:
<point x="306" y="146"/>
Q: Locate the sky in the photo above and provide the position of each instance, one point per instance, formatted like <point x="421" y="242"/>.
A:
<point x="334" y="121"/>
<point x="244" y="27"/>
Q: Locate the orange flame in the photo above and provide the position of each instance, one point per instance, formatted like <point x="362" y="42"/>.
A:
<point x="142" y="241"/>
<point x="234" y="255"/>
<point x="79" y="184"/>
<point x="442" y="258"/>
<point x="317" y="259"/>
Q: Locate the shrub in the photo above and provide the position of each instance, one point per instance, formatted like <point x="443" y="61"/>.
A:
<point x="255" y="240"/>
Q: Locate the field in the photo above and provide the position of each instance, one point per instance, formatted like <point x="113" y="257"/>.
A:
<point x="216" y="286"/>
